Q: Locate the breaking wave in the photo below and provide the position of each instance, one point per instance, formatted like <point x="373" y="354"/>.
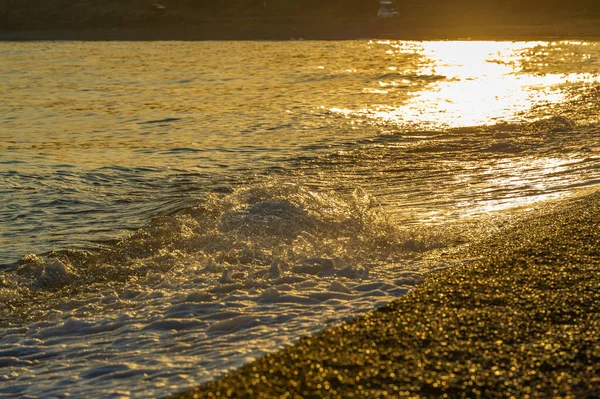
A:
<point x="263" y="266"/>
<point x="260" y="231"/>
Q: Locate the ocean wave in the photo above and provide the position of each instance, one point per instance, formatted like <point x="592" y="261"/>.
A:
<point x="264" y="232"/>
<point x="212" y="285"/>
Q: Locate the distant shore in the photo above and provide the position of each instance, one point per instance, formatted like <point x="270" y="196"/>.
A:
<point x="519" y="319"/>
<point x="283" y="29"/>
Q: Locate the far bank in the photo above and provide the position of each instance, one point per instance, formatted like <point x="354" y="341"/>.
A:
<point x="303" y="29"/>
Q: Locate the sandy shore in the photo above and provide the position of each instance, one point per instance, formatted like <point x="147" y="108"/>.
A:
<point x="522" y="319"/>
<point x="283" y="29"/>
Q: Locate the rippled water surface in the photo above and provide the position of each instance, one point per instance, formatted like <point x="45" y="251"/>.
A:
<point x="171" y="210"/>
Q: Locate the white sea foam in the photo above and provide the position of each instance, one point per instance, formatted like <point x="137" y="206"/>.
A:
<point x="193" y="294"/>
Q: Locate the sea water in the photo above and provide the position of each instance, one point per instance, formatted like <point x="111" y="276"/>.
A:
<point x="171" y="210"/>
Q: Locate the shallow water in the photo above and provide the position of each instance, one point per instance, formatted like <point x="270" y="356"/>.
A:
<point x="172" y="210"/>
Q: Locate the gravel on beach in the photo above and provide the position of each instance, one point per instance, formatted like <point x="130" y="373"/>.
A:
<point x="521" y="320"/>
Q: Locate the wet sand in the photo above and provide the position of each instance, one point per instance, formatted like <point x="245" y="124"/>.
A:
<point x="520" y="319"/>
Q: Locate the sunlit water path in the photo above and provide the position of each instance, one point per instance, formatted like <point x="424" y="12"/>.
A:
<point x="171" y="210"/>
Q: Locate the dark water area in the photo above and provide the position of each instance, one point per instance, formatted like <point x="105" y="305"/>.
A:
<point x="172" y="210"/>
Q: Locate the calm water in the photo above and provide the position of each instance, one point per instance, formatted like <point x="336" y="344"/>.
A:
<point x="171" y="210"/>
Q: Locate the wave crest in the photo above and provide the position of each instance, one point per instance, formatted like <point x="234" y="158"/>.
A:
<point x="254" y="238"/>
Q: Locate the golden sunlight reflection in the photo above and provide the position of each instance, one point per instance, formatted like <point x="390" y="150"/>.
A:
<point x="533" y="178"/>
<point x="469" y="84"/>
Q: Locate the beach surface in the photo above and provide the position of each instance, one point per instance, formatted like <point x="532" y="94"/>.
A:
<point x="519" y="318"/>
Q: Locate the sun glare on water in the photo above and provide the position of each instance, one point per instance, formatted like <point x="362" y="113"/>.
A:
<point x="471" y="84"/>
<point x="432" y="87"/>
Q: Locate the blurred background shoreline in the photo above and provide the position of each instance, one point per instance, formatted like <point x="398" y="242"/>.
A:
<point x="307" y="19"/>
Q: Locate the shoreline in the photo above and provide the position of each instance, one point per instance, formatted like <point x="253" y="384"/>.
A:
<point x="396" y="29"/>
<point x="519" y="319"/>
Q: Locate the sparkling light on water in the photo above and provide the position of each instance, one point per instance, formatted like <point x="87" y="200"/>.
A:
<point x="472" y="83"/>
